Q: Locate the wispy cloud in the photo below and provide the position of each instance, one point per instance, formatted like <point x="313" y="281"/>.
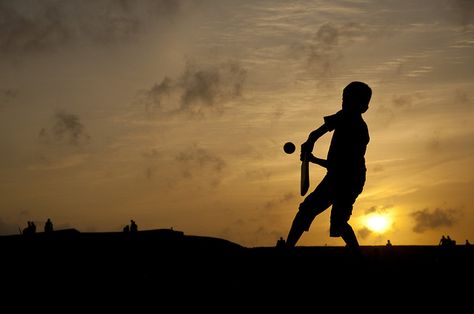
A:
<point x="426" y="219"/>
<point x="422" y="70"/>
<point x="199" y="90"/>
<point x="66" y="129"/>
<point x="281" y="200"/>
<point x="28" y="27"/>
<point x="377" y="209"/>
<point x="151" y="159"/>
<point x="7" y="96"/>
<point x="464" y="11"/>
<point x="57" y="162"/>
<point x="199" y="160"/>
<point x="325" y="50"/>
<point x="364" y="233"/>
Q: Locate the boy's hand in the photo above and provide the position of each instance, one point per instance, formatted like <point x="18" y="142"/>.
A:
<point x="307" y="157"/>
<point x="306" y="151"/>
<point x="306" y="148"/>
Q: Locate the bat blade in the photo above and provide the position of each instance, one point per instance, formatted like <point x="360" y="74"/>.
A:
<point x="304" y="186"/>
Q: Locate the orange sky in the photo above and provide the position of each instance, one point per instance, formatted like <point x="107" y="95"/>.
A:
<point x="174" y="114"/>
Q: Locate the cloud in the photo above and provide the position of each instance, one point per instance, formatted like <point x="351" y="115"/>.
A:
<point x="464" y="10"/>
<point x="202" y="158"/>
<point x="325" y="51"/>
<point x="209" y="88"/>
<point x="281" y="200"/>
<point x="434" y="142"/>
<point x="28" y="27"/>
<point x="378" y="209"/>
<point x="431" y="220"/>
<point x="402" y="100"/>
<point x="199" y="90"/>
<point x="420" y="71"/>
<point x="154" y="96"/>
<point x="196" y="159"/>
<point x="462" y="98"/>
<point x="364" y="232"/>
<point x="58" y="161"/>
<point x="23" y="30"/>
<point x="258" y="174"/>
<point x="151" y="158"/>
<point x="378" y="168"/>
<point x="66" y="129"/>
<point x="7" y="96"/>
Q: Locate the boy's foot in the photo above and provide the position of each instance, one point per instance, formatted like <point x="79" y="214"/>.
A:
<point x="355" y="255"/>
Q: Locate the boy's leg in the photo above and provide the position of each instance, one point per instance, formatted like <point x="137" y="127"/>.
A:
<point x="346" y="192"/>
<point x="340" y="214"/>
<point x="348" y="235"/>
<point x="314" y="204"/>
<point x="340" y="227"/>
<point x="297" y="229"/>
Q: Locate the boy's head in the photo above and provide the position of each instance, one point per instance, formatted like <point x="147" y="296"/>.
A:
<point x="356" y="97"/>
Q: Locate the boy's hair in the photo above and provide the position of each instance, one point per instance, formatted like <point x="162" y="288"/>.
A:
<point x="356" y="94"/>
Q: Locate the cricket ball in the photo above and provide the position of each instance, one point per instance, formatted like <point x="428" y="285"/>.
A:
<point x="289" y="148"/>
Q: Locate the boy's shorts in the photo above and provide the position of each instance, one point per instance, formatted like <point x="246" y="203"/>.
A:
<point x="339" y="191"/>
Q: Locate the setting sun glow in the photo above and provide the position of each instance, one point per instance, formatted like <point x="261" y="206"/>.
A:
<point x="378" y="223"/>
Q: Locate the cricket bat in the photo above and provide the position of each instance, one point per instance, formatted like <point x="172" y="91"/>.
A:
<point x="304" y="186"/>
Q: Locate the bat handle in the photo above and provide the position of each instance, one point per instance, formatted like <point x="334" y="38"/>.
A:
<point x="304" y="156"/>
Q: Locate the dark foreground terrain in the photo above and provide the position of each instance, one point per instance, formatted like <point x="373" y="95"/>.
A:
<point x="166" y="267"/>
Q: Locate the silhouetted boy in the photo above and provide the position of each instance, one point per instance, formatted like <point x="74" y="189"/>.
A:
<point x="345" y="163"/>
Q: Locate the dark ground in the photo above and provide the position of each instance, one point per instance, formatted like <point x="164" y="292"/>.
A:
<point x="165" y="267"/>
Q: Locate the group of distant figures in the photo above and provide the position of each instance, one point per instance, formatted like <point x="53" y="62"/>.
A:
<point x="132" y="228"/>
<point x="31" y="228"/>
<point x="445" y="241"/>
<point x="48" y="227"/>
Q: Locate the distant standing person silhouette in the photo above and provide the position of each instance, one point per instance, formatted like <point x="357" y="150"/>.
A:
<point x="133" y="226"/>
<point x="345" y="164"/>
<point x="48" y="226"/>
<point x="33" y="227"/>
<point x="443" y="241"/>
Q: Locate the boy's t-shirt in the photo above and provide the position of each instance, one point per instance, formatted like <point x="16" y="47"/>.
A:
<point x="348" y="144"/>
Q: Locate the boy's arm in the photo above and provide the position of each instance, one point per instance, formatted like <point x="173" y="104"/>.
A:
<point x="307" y="147"/>
<point x="318" y="161"/>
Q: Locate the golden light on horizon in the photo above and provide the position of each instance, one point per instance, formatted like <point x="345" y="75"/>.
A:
<point x="378" y="223"/>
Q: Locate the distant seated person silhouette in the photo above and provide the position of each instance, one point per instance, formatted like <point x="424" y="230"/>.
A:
<point x="31" y="229"/>
<point x="345" y="164"/>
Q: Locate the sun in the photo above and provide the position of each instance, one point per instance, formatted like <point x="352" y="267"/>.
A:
<point x="378" y="223"/>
